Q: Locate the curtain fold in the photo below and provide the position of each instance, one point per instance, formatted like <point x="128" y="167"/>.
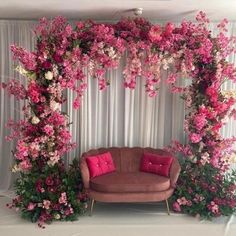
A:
<point x="11" y="32"/>
<point x="114" y="117"/>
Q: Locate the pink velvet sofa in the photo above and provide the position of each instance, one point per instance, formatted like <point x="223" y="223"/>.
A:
<point x="128" y="183"/>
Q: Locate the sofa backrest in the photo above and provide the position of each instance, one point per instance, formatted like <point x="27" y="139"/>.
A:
<point x="126" y="159"/>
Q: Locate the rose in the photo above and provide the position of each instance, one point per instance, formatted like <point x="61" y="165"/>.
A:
<point x="57" y="216"/>
<point x="176" y="207"/>
<point x="46" y="204"/>
<point x="49" y="75"/>
<point x="38" y="186"/>
<point x="49" y="181"/>
<point x="31" y="206"/>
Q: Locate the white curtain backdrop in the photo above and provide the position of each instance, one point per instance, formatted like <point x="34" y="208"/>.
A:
<point x="114" y="117"/>
<point x="124" y="117"/>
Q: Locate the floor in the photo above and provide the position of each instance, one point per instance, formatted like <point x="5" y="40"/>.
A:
<point x="119" y="219"/>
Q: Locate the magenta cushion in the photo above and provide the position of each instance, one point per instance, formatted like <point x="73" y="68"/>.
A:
<point x="100" y="164"/>
<point x="156" y="164"/>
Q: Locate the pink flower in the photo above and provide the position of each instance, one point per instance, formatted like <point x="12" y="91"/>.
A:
<point x="182" y="201"/>
<point x="195" y="138"/>
<point x="213" y="207"/>
<point x="176" y="207"/>
<point x="171" y="79"/>
<point x="31" y="206"/>
<point x="25" y="165"/>
<point x="63" y="198"/>
<point x="38" y="186"/>
<point x="155" y="33"/>
<point x="46" y="204"/>
<point x="26" y="58"/>
<point x="69" y="211"/>
<point x="49" y="181"/>
<point x="15" y="88"/>
<point x="48" y="129"/>
<point x="65" y="135"/>
<point x="169" y="29"/>
<point x="34" y="92"/>
<point x="199" y="121"/>
<point x="22" y="150"/>
<point x="76" y="103"/>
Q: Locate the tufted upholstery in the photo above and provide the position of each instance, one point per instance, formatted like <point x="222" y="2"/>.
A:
<point x="100" y="164"/>
<point x="156" y="164"/>
<point x="127" y="183"/>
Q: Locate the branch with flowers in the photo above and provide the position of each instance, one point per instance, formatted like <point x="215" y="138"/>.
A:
<point x="46" y="191"/>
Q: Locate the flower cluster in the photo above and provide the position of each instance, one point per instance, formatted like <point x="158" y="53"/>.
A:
<point x="46" y="191"/>
<point x="50" y="196"/>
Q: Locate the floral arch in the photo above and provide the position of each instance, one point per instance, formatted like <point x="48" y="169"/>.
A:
<point x="45" y="190"/>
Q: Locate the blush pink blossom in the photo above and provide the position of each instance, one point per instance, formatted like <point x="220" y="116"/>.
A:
<point x="25" y="165"/>
<point x="199" y="121"/>
<point x="48" y="129"/>
<point x="195" y="138"/>
<point x="155" y="34"/>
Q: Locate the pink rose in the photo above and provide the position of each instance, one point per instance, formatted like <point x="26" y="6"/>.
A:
<point x="46" y="204"/>
<point x="176" y="207"/>
<point x="31" y="206"/>
<point x="49" y="181"/>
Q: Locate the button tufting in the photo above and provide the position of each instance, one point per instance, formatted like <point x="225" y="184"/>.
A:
<point x="150" y="163"/>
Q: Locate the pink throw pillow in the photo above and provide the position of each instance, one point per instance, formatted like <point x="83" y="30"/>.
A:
<point x="100" y="164"/>
<point x="156" y="164"/>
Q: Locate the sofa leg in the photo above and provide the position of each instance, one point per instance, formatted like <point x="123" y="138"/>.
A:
<point x="91" y="206"/>
<point x="167" y="206"/>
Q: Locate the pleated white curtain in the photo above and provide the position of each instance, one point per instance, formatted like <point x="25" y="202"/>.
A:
<point x="11" y="32"/>
<point x="124" y="117"/>
<point x="114" y="117"/>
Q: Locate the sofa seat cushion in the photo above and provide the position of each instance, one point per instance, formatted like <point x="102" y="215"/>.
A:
<point x="129" y="182"/>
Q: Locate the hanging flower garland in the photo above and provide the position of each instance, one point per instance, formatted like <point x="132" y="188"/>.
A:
<point x="45" y="190"/>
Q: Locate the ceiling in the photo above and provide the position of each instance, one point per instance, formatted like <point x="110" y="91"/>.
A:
<point x="109" y="10"/>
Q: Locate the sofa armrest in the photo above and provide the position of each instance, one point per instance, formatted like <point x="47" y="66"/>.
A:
<point x="84" y="172"/>
<point x="174" y="172"/>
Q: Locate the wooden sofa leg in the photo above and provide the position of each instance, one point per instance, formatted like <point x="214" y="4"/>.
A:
<point x="91" y="206"/>
<point x="167" y="206"/>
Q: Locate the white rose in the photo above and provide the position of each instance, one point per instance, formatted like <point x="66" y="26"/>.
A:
<point x="57" y="216"/>
<point x="49" y="75"/>
<point x="35" y="120"/>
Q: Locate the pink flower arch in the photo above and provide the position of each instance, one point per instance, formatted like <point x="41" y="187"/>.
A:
<point x="61" y="54"/>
